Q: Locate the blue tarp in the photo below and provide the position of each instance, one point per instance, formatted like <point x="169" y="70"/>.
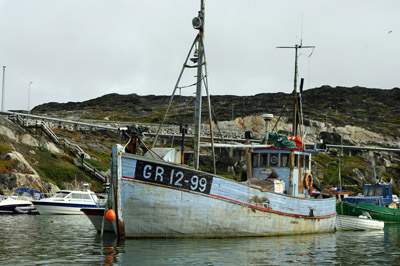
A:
<point x="34" y="193"/>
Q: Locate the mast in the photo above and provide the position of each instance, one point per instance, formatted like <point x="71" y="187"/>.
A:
<point x="198" y="23"/>
<point x="200" y="59"/>
<point x="295" y="102"/>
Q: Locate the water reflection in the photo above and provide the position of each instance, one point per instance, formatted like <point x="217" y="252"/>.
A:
<point x="302" y="249"/>
<point x="62" y="240"/>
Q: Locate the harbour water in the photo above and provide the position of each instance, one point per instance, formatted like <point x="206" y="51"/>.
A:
<point x="72" y="240"/>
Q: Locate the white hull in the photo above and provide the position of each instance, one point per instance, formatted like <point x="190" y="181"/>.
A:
<point x="67" y="202"/>
<point x="10" y="205"/>
<point x="222" y="208"/>
<point x="59" y="209"/>
<point x="153" y="211"/>
<point x="354" y="223"/>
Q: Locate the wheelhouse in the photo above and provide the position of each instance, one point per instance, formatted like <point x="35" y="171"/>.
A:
<point x="289" y="165"/>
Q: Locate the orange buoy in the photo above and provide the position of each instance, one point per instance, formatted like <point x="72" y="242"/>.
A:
<point x="110" y="215"/>
<point x="298" y="139"/>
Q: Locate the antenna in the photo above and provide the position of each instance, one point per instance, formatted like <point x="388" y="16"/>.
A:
<point x="296" y="47"/>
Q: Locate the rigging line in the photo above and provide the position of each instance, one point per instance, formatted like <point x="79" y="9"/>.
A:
<point x="283" y="109"/>
<point x="205" y="81"/>
<point x="194" y="66"/>
<point x="183" y="87"/>
<point x="276" y="123"/>
<point x="150" y="150"/>
<point x="173" y="92"/>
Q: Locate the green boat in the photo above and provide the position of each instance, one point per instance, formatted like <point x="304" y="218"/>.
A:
<point x="377" y="212"/>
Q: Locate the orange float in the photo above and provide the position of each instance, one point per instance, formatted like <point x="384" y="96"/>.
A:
<point x="110" y="215"/>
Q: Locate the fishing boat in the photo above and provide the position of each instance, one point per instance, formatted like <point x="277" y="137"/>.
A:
<point x="155" y="198"/>
<point x="20" y="201"/>
<point x="363" y="222"/>
<point x="68" y="202"/>
<point x="377" y="212"/>
<point x="377" y="200"/>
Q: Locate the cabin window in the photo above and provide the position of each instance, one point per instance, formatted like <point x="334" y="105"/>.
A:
<point x="307" y="163"/>
<point x="273" y="160"/>
<point x="365" y="191"/>
<point x="86" y="196"/>
<point x="76" y="195"/>
<point x="285" y="160"/>
<point x="61" y="194"/>
<point x="387" y="192"/>
<point x="301" y="161"/>
<point x="264" y="159"/>
<point x="255" y="159"/>
<point x="296" y="161"/>
<point x="370" y="191"/>
<point x="379" y="191"/>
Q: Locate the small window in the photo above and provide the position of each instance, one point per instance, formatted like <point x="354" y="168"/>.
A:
<point x="365" y="191"/>
<point x="285" y="160"/>
<point x="264" y="160"/>
<point x="86" y="196"/>
<point x="76" y="195"/>
<point x="378" y="191"/>
<point x="296" y="161"/>
<point x="371" y="191"/>
<point x="273" y="160"/>
<point x="254" y="159"/>
<point x="301" y="161"/>
<point x="307" y="164"/>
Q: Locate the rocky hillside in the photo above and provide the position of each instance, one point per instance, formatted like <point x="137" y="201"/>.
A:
<point x="373" y="109"/>
<point x="350" y="116"/>
<point x="29" y="158"/>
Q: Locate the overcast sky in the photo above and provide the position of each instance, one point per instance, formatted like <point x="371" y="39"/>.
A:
<point x="76" y="50"/>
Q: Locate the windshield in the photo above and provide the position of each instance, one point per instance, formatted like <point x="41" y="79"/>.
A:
<point x="60" y="194"/>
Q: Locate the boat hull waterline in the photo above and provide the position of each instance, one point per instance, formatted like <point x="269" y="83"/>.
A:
<point x="60" y="208"/>
<point x="156" y="199"/>
<point x="96" y="217"/>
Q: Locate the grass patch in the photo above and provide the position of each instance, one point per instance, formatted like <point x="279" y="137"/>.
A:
<point x="6" y="166"/>
<point x="103" y="156"/>
<point x="5" y="148"/>
<point x="99" y="165"/>
<point x="60" y="172"/>
<point x="58" y="169"/>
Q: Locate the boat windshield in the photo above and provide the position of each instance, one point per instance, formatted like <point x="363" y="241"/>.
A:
<point x="61" y="194"/>
<point x="372" y="191"/>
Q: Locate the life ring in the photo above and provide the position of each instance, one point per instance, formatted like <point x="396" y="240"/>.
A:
<point x="308" y="181"/>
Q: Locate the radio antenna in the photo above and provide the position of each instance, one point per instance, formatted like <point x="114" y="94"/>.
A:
<point x="296" y="48"/>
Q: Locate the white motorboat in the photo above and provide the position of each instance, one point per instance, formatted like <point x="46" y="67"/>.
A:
<point x="20" y="201"/>
<point x="67" y="202"/>
<point x="363" y="222"/>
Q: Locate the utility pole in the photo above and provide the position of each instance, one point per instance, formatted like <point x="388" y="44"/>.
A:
<point x="295" y="110"/>
<point x="2" y="91"/>
<point x="29" y="96"/>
